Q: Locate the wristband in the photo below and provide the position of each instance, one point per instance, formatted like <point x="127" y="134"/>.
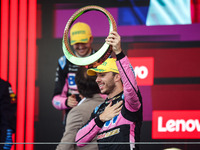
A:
<point x="99" y="122"/>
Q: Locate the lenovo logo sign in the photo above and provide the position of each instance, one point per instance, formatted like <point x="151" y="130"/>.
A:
<point x="176" y="124"/>
<point x="144" y="69"/>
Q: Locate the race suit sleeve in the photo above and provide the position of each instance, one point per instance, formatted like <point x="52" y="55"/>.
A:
<point x="59" y="100"/>
<point x="87" y="133"/>
<point x="8" y="108"/>
<point x="130" y="88"/>
<point x="90" y="130"/>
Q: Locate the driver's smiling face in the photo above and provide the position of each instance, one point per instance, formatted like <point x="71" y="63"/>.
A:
<point x="83" y="49"/>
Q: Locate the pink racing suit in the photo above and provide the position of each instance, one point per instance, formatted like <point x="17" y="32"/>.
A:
<point x="124" y="127"/>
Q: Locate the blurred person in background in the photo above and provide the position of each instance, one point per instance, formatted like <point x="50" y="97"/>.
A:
<point x="8" y="108"/>
<point x="66" y="95"/>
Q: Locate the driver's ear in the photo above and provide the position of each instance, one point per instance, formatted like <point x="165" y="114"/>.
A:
<point x="91" y="39"/>
<point x="117" y="77"/>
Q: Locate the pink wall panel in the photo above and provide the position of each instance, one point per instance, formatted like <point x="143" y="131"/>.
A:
<point x="171" y="62"/>
<point x="176" y="97"/>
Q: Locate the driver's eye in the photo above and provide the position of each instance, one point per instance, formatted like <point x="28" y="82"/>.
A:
<point x="101" y="75"/>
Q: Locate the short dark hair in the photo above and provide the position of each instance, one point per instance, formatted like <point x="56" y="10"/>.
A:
<point x="86" y="85"/>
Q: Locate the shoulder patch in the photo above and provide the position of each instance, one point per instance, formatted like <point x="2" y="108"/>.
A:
<point x="97" y="107"/>
<point x="62" y="61"/>
<point x="123" y="96"/>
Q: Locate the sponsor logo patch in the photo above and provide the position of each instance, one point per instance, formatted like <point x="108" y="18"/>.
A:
<point x="108" y="134"/>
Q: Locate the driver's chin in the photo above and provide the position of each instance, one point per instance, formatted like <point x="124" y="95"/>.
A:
<point x="82" y="54"/>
